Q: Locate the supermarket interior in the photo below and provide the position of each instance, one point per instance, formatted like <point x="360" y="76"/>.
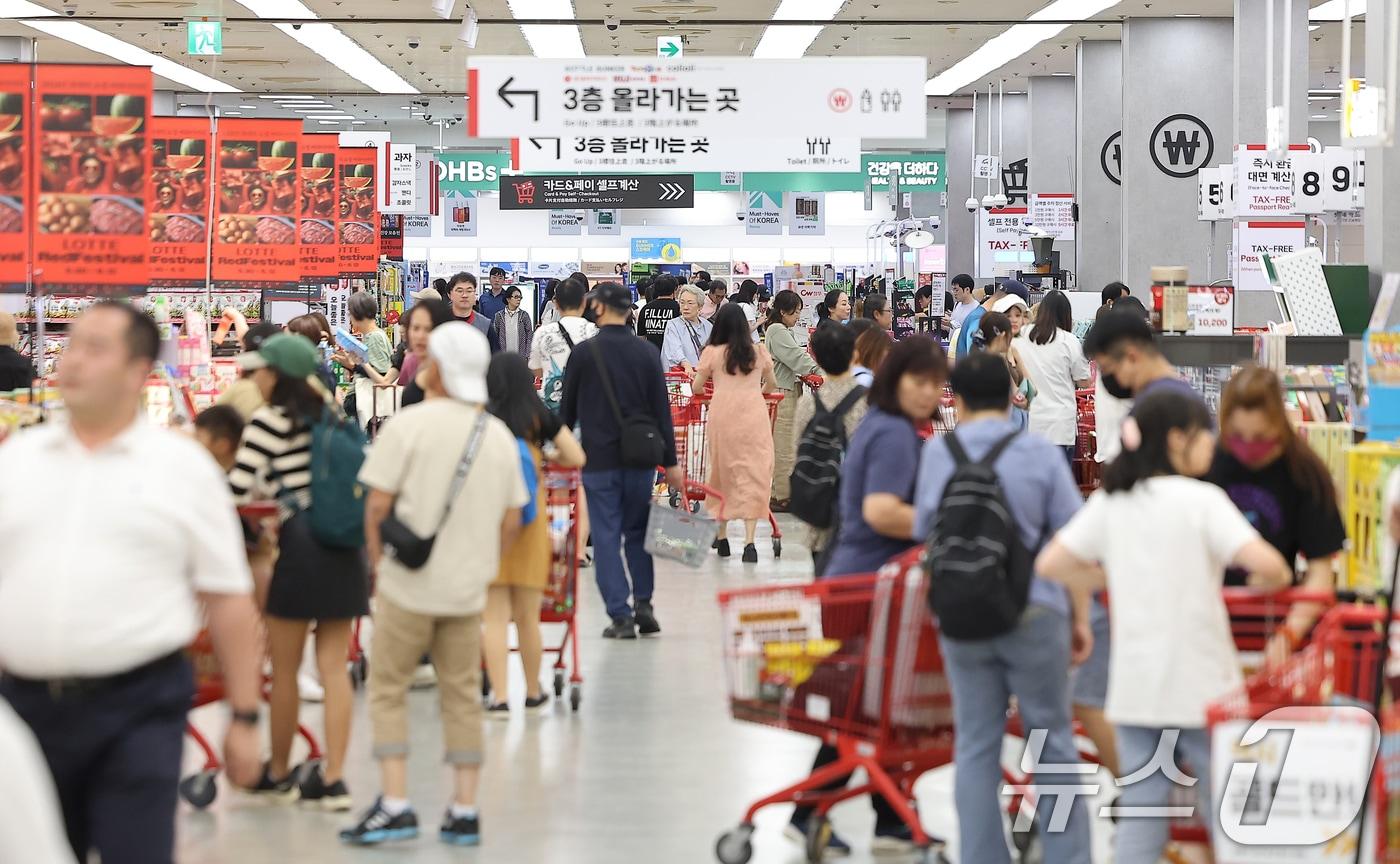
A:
<point x="1106" y="195"/>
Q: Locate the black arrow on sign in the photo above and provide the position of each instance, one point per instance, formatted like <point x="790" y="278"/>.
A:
<point x="557" y="145"/>
<point x="505" y="95"/>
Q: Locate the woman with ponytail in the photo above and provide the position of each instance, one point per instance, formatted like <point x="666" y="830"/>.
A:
<point x="836" y="306"/>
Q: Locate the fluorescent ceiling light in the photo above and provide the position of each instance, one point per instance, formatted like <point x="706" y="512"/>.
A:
<point x="358" y="122"/>
<point x="328" y="122"/>
<point x="332" y="117"/>
<point x="328" y="41"/>
<point x="1062" y="74"/>
<point x="547" y="40"/>
<point x="249" y="107"/>
<point x="1012" y="43"/>
<point x="1332" y="10"/>
<point x="230" y="113"/>
<point x="791" y="42"/>
<point x="1319" y="116"/>
<point x="278" y="98"/>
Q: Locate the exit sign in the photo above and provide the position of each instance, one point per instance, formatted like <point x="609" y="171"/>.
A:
<point x="205" y="38"/>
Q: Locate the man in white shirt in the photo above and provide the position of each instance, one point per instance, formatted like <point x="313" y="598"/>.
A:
<point x="553" y="343"/>
<point x="121" y="528"/>
<point x="963" y="302"/>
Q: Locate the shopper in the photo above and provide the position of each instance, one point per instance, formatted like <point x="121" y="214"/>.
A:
<point x="16" y="372"/>
<point x="657" y="314"/>
<point x="31" y="822"/>
<point x="1129" y="360"/>
<point x="790" y="365"/>
<point x="425" y="317"/>
<point x="995" y="337"/>
<point x="872" y="346"/>
<point x="524" y="572"/>
<point x="449" y="472"/>
<point x="219" y="430"/>
<point x="440" y="286"/>
<point x="699" y="277"/>
<point x="1030" y="661"/>
<point x="688" y="334"/>
<point x="549" y="355"/>
<point x="113" y="534"/>
<point x="835" y="306"/>
<point x="243" y="394"/>
<point x="613" y="389"/>
<point x="1015" y="309"/>
<point x="1109" y="410"/>
<point x="311" y="582"/>
<point x="511" y="329"/>
<point x="963" y="303"/>
<point x="1283" y="489"/>
<point x="549" y="312"/>
<point x="717" y="294"/>
<point x="1112" y="293"/>
<point x="493" y="300"/>
<point x="462" y="295"/>
<point x="877" y="309"/>
<point x="972" y="324"/>
<point x="1053" y="361"/>
<point x="739" y="434"/>
<point x="1159" y="539"/>
<point x="376" y="365"/>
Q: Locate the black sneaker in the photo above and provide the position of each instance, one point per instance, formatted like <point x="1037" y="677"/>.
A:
<point x="645" y="617"/>
<point x="722" y="546"/>
<point x="460" y="830"/>
<point x="315" y="792"/>
<point x="892" y="840"/>
<point x="377" y="826"/>
<point x="284" y="790"/>
<point x="750" y="554"/>
<point x="621" y="628"/>
<point x="835" y="847"/>
<point x="498" y="711"/>
<point x="536" y="704"/>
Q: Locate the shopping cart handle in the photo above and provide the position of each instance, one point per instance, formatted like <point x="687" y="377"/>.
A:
<point x="258" y="510"/>
<point x="813" y="381"/>
<point x="1287" y="596"/>
<point x="699" y="492"/>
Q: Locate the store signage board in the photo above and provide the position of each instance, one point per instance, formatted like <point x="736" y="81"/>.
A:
<point x="470" y="172"/>
<point x="1264" y="181"/>
<point x="459" y="214"/>
<point x="1002" y="248"/>
<point x="359" y="211"/>
<point x="986" y="168"/>
<point x="686" y="151"/>
<point x="765" y="213"/>
<point x="656" y="250"/>
<point x="319" y="231"/>
<point x="1211" y="310"/>
<point x="1052" y="212"/>
<point x="417" y="225"/>
<point x="1257" y="238"/>
<point x="736" y="97"/>
<point x="806" y="212"/>
<point x="1309" y="196"/>
<point x="204" y="38"/>
<point x="15" y="193"/>
<point x="670" y="47"/>
<point x="391" y="236"/>
<point x="179" y="208"/>
<point x="920" y="172"/>
<point x="1212" y="203"/>
<point x="565" y="223"/>
<point x="731" y="178"/>
<point x="401" y="184"/>
<point x="1343" y="179"/>
<point x="598" y="191"/>
<point x="605" y="222"/>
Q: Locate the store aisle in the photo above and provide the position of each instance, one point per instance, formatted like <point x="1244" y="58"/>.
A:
<point x="652" y="768"/>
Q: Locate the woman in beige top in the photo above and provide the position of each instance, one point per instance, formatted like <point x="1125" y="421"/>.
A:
<point x="790" y="364"/>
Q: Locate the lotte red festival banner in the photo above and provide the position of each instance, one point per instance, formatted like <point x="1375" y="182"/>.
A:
<point x="391" y="235"/>
<point x="359" y="211"/>
<point x="320" y="200"/>
<point x="90" y="234"/>
<point x="257" y="187"/>
<point x="179" y="208"/>
<point x="14" y="176"/>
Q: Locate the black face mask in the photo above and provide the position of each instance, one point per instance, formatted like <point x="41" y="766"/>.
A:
<point x="1114" y="387"/>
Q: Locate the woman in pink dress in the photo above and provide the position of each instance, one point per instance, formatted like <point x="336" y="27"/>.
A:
<point x="740" y="435"/>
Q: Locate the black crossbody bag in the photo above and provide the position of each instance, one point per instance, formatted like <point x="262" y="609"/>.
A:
<point x="639" y="443"/>
<point x="400" y="541"/>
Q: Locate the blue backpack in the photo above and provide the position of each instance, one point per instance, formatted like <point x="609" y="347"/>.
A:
<point x="337" y="513"/>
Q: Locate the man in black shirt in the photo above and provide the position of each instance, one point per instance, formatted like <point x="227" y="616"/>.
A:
<point x="16" y="372"/>
<point x="612" y="380"/>
<point x="462" y="295"/>
<point x="652" y="321"/>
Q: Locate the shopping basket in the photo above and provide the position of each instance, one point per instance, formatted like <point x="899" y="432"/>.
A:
<point x="683" y="533"/>
<point x="854" y="662"/>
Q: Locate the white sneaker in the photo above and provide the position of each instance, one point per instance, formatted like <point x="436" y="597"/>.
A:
<point x="424" y="676"/>
<point x="310" y="689"/>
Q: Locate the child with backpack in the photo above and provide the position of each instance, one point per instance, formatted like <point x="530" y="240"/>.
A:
<point x="1161" y="539"/>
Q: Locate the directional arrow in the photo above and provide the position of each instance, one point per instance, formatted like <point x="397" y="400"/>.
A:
<point x="505" y="93"/>
<point x="539" y="146"/>
<point x="670" y="49"/>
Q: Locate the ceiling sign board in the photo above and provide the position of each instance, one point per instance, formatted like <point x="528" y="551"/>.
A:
<point x="598" y="191"/>
<point x="670" y="47"/>
<point x="685" y="152"/>
<point x="204" y="38"/>
<point x="921" y="171"/>
<point x="517" y="97"/>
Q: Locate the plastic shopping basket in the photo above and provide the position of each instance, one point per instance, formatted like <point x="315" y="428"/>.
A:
<point x="679" y="534"/>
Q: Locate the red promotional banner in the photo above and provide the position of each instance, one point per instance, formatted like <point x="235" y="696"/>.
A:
<point x="256" y="181"/>
<point x="391" y="235"/>
<point x="90" y="232"/>
<point x="15" y="81"/>
<point x="179" y="208"/>
<point x="359" y="211"/>
<point x="320" y="197"/>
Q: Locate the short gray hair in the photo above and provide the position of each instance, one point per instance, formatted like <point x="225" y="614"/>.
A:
<point x="693" y="291"/>
<point x="363" y="307"/>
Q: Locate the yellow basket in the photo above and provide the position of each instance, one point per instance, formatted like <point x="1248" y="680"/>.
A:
<point x="1368" y="471"/>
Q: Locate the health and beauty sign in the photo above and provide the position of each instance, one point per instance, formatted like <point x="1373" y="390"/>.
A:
<point x="258" y="190"/>
<point x="469" y="172"/>
<point x="94" y="158"/>
<point x="179" y="208"/>
<point x="320" y="208"/>
<point x="15" y="122"/>
<point x="735" y="97"/>
<point x="691" y="151"/>
<point x="358" y="211"/>
<point x="918" y="172"/>
<point x="656" y="250"/>
<point x="596" y="191"/>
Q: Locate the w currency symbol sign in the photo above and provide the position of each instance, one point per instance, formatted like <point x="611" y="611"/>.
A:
<point x="1181" y="145"/>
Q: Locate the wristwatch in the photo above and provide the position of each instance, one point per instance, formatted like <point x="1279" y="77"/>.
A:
<point x="245" y="718"/>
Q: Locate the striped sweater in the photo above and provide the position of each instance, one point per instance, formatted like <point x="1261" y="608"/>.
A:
<point x="273" y="461"/>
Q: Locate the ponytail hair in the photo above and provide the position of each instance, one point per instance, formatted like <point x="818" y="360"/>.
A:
<point x="1145" y="453"/>
<point x="785" y="302"/>
<point x="829" y="302"/>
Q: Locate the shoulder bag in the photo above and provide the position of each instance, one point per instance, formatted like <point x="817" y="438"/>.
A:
<point x="400" y="541"/>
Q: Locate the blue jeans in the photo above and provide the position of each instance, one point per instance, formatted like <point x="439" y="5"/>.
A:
<point x="619" y="502"/>
<point x="1140" y="838"/>
<point x="1031" y="662"/>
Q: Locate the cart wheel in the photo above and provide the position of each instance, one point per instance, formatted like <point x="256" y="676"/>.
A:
<point x="818" y="836"/>
<point x="199" y="790"/>
<point x="675" y="500"/>
<point x="1028" y="845"/>
<point x="359" y="672"/>
<point x="777" y="547"/>
<point x="558" y="683"/>
<point x="734" y="847"/>
<point x="575" y="696"/>
<point x="694" y="506"/>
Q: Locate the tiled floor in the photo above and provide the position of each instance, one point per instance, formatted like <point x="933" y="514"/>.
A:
<point x="651" y="770"/>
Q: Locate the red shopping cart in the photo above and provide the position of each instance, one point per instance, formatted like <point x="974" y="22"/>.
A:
<point x="1087" y="470"/>
<point x="559" y="604"/>
<point x="854" y="662"/>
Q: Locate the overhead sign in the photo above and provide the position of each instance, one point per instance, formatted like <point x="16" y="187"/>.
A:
<point x="986" y="167"/>
<point x="1344" y="183"/>
<point x="807" y="214"/>
<point x="686" y="152"/>
<point x="1257" y="238"/>
<point x="565" y="223"/>
<point x="204" y="38"/>
<point x="1309" y="169"/>
<point x="319" y="227"/>
<point x="516" y="97"/>
<point x="256" y="237"/>
<point x="1212" y="206"/>
<point x="459" y="216"/>
<point x="417" y="225"/>
<point x="656" y="250"/>
<point x="605" y="221"/>
<point x="16" y="196"/>
<point x="470" y="172"/>
<point x="1181" y="145"/>
<point x="1263" y="181"/>
<point x="1002" y="248"/>
<point x="598" y="191"/>
<point x="1053" y="212"/>
<point x="401" y="184"/>
<point x="765" y="213"/>
<point x="920" y="172"/>
<point x="359" y="210"/>
<point x="179" y="208"/>
<point x="670" y="47"/>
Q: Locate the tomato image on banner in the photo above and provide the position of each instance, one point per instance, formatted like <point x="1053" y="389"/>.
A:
<point x="94" y="160"/>
<point x="14" y="177"/>
<point x="358" y="211"/>
<point x="256" y="243"/>
<point x="179" y="201"/>
<point x="320" y="196"/>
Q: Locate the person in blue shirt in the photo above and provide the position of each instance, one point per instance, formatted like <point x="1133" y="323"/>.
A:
<point x="1032" y="661"/>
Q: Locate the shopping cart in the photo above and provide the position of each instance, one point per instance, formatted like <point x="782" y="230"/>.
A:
<point x="559" y="604"/>
<point x="1087" y="470"/>
<point x="854" y="662"/>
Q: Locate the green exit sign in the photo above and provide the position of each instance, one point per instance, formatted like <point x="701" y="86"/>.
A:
<point x="205" y="38"/>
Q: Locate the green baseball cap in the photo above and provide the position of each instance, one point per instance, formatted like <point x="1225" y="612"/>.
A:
<point x="288" y="353"/>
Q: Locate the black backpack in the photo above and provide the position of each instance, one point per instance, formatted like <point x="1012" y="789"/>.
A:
<point x="979" y="569"/>
<point x="816" y="473"/>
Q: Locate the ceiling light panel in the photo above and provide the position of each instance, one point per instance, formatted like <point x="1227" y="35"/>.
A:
<point x="1333" y="10"/>
<point x="792" y="42"/>
<point x="332" y="44"/>
<point x="549" y="40"/>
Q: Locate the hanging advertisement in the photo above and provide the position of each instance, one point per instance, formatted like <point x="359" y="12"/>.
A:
<point x="1002" y="247"/>
<point x="656" y="250"/>
<point x="256" y="244"/>
<point x="90" y="233"/>
<point x="417" y="225"/>
<point x="920" y="172"/>
<point x="320" y="202"/>
<point x="401" y="185"/>
<point x="1053" y="213"/>
<point x="469" y="172"/>
<point x="459" y="214"/>
<point x="565" y="222"/>
<point x="806" y="214"/>
<point x="765" y="213"/>
<point x="604" y="221"/>
<point x="358" y="212"/>
<point x="179" y="208"/>
<point x="391" y="236"/>
<point x="1255" y="239"/>
<point x="15" y="85"/>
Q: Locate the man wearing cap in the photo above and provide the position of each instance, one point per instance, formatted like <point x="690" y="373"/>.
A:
<point x="243" y="395"/>
<point x="494" y="298"/>
<point x="445" y="469"/>
<point x="614" y="388"/>
<point x="123" y="530"/>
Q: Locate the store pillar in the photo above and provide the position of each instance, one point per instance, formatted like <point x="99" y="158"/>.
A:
<point x="1382" y="212"/>
<point x="961" y="225"/>
<point x="1177" y="118"/>
<point x="1290" y="56"/>
<point x="1099" y="163"/>
<point x="1051" y="150"/>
